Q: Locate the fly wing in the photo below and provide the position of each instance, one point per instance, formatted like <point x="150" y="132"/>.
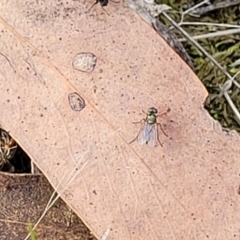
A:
<point x="145" y="134"/>
<point x="141" y="135"/>
<point x="153" y="137"/>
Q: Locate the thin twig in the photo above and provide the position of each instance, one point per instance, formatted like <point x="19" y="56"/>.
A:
<point x="213" y="7"/>
<point x="209" y="24"/>
<point x="215" y="34"/>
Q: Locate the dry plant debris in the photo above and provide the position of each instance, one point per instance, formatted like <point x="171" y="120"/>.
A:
<point x="216" y="26"/>
<point x="23" y="199"/>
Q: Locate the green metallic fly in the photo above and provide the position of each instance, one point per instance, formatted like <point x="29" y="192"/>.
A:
<point x="148" y="133"/>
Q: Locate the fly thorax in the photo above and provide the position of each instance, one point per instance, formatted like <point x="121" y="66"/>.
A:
<point x="151" y="119"/>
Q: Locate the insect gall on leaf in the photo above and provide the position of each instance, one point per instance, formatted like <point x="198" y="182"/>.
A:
<point x="148" y="133"/>
<point x="76" y="102"/>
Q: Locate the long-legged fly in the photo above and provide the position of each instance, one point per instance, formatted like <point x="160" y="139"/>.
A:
<point x="148" y="133"/>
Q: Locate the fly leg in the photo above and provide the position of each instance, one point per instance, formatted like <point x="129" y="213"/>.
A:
<point x="158" y="137"/>
<point x="160" y="125"/>
<point x="93" y="5"/>
<point x="143" y="120"/>
<point x="168" y="110"/>
<point x="102" y="3"/>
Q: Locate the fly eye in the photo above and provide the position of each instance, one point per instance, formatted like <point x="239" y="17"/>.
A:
<point x="152" y="110"/>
